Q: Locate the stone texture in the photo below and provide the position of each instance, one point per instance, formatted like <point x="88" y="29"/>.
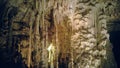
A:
<point x="77" y="28"/>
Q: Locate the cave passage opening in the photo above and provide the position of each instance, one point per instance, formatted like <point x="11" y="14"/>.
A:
<point x="115" y="40"/>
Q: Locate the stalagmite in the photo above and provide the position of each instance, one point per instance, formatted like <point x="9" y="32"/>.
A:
<point x="51" y="50"/>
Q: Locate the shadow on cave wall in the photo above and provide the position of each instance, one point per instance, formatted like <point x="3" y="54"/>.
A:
<point x="115" y="40"/>
<point x="11" y="58"/>
<point x="8" y="58"/>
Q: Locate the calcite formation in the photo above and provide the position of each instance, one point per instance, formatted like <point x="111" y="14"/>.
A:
<point x="77" y="29"/>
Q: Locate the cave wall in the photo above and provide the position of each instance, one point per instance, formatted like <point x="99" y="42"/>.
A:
<point x="77" y="29"/>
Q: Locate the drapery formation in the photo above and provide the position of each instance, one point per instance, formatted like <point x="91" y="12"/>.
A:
<point x="76" y="28"/>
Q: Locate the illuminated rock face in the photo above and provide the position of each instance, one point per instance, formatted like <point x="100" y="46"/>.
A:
<point x="89" y="36"/>
<point x="76" y="28"/>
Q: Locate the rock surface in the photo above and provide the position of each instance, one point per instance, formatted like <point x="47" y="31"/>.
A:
<point x="78" y="29"/>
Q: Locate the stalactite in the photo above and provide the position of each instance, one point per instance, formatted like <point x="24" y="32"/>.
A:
<point x="46" y="39"/>
<point x="87" y="32"/>
<point x="30" y="41"/>
<point x="57" y="40"/>
<point x="71" y="64"/>
<point x="44" y="31"/>
<point x="46" y="45"/>
<point x="37" y="34"/>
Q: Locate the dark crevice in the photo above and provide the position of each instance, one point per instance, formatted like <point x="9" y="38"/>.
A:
<point x="115" y="40"/>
